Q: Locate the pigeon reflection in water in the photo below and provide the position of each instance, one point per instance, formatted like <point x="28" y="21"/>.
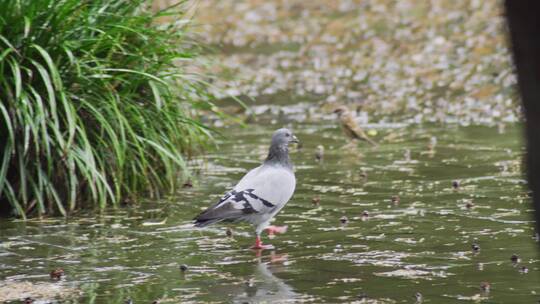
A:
<point x="265" y="287"/>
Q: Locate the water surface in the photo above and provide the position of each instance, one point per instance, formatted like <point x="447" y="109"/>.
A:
<point x="420" y="244"/>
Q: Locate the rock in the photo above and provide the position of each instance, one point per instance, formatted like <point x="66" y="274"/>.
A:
<point x="485" y="286"/>
<point x="183" y="267"/>
<point x="514" y="258"/>
<point x="419" y="298"/>
<point x="57" y="274"/>
<point x="319" y="153"/>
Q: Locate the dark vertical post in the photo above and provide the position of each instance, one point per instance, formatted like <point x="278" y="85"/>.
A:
<point x="524" y="24"/>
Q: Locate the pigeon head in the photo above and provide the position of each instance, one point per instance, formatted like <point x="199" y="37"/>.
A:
<point x="279" y="151"/>
<point x="283" y="137"/>
<point x="340" y="110"/>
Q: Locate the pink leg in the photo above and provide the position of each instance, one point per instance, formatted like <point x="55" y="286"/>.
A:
<point x="276" y="229"/>
<point x="259" y="245"/>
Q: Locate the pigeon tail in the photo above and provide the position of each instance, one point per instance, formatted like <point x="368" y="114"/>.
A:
<point x="211" y="216"/>
<point x="202" y="222"/>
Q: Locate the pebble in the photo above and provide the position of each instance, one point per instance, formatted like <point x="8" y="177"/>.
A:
<point x="485" y="286"/>
<point x="364" y="175"/>
<point x="319" y="153"/>
<point x="188" y="184"/>
<point x="407" y="155"/>
<point x="514" y="258"/>
<point x="432" y="143"/>
<point x="57" y="274"/>
<point x="362" y="296"/>
<point x="419" y="297"/>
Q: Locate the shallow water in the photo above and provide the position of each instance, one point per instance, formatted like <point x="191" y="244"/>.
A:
<point x="421" y="244"/>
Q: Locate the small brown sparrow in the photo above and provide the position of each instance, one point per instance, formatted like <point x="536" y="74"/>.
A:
<point x="350" y="127"/>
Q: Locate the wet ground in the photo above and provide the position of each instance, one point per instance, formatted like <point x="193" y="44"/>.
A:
<point x="408" y="229"/>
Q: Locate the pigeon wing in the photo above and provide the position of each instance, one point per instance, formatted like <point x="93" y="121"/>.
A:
<point x="275" y="184"/>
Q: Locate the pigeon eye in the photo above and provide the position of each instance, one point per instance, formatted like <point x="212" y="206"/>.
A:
<point x="287" y="134"/>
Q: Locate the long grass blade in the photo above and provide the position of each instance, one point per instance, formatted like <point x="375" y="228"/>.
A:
<point x="95" y="103"/>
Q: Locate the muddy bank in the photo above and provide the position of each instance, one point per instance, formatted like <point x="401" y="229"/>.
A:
<point x="441" y="61"/>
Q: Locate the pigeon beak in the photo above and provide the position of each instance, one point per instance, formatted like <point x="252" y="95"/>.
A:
<point x="294" y="139"/>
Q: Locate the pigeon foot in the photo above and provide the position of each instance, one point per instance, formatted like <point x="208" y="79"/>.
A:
<point x="276" y="229"/>
<point x="263" y="247"/>
<point x="259" y="245"/>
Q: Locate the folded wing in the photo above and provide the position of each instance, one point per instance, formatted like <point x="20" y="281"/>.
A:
<point x="234" y="206"/>
<point x="264" y="190"/>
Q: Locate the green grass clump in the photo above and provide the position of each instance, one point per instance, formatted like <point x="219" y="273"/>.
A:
<point x="95" y="103"/>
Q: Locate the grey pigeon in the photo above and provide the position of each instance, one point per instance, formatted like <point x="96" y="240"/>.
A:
<point x="260" y="194"/>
